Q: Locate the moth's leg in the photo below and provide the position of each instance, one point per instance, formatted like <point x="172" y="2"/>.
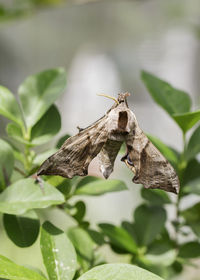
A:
<point x="39" y="181"/>
<point x="129" y="163"/>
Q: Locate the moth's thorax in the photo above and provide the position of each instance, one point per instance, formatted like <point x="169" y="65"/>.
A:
<point x="121" y="122"/>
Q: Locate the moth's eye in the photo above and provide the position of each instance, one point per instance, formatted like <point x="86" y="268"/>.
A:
<point x="129" y="161"/>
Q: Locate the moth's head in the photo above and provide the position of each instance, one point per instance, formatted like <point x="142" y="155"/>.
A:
<point x="122" y="97"/>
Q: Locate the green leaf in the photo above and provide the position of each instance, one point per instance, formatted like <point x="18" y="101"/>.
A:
<point x="155" y="197"/>
<point x="80" y="208"/>
<point x="86" y="180"/>
<point x="9" y="107"/>
<point x="39" y="92"/>
<point x="101" y="186"/>
<point x="189" y="250"/>
<point x="62" y="140"/>
<point x="82" y="242"/>
<point x="187" y="120"/>
<point x="149" y="221"/>
<point x="96" y="236"/>
<point x="48" y="126"/>
<point x="64" y="185"/>
<point x="6" y="163"/>
<point x="192" y="218"/>
<point x="23" y="230"/>
<point x="26" y="194"/>
<point x="170" y="155"/>
<point x="118" y="272"/>
<point x="160" y="246"/>
<point x="193" y="147"/>
<point x="172" y="100"/>
<point x="119" y="237"/>
<point x="10" y="270"/>
<point x="162" y="251"/>
<point x="14" y="131"/>
<point x="130" y="228"/>
<point x="58" y="253"/>
<point x="166" y="258"/>
<point x="191" y="172"/>
<point x="193" y="187"/>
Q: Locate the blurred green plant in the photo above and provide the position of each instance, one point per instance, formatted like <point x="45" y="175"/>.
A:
<point x="16" y="9"/>
<point x="35" y="120"/>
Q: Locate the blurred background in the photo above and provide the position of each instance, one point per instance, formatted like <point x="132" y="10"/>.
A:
<point x="103" y="45"/>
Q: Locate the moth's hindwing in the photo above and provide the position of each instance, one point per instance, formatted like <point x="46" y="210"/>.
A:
<point x="149" y="166"/>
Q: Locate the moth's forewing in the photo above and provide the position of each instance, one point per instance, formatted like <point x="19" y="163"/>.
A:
<point x="77" y="152"/>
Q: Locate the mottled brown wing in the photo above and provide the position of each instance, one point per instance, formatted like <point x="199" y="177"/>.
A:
<point x="149" y="165"/>
<point x="77" y="152"/>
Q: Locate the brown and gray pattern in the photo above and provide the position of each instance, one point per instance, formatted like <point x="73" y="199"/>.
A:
<point x="104" y="138"/>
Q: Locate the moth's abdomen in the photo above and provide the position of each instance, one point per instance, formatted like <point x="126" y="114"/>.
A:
<point x="107" y="156"/>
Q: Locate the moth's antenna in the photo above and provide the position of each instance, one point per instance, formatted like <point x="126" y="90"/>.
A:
<point x="108" y="96"/>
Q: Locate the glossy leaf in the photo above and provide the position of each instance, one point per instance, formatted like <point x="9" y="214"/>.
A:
<point x="58" y="253"/>
<point x="101" y="186"/>
<point x="187" y="120"/>
<point x="193" y="147"/>
<point x="118" y="272"/>
<point x="192" y="218"/>
<point x="149" y="221"/>
<point x="155" y="197"/>
<point x="12" y="271"/>
<point x="172" y="100"/>
<point x="119" y="237"/>
<point x="6" y="163"/>
<point x="26" y="194"/>
<point x="47" y="127"/>
<point x="23" y="230"/>
<point x="170" y="155"/>
<point x="189" y="250"/>
<point x="82" y="242"/>
<point x="9" y="107"/>
<point x="39" y="92"/>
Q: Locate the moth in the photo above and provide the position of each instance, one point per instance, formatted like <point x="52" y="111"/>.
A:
<point x="104" y="139"/>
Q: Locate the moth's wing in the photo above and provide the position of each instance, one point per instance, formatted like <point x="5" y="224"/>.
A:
<point x="149" y="165"/>
<point x="107" y="156"/>
<point x="77" y="152"/>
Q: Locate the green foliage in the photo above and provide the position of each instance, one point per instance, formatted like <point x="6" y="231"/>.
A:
<point x="58" y="253"/>
<point x="118" y="272"/>
<point x="144" y="238"/>
<point x="25" y="195"/>
<point x="23" y="229"/>
<point x="100" y="187"/>
<point x="10" y="270"/>
<point x="6" y="163"/>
